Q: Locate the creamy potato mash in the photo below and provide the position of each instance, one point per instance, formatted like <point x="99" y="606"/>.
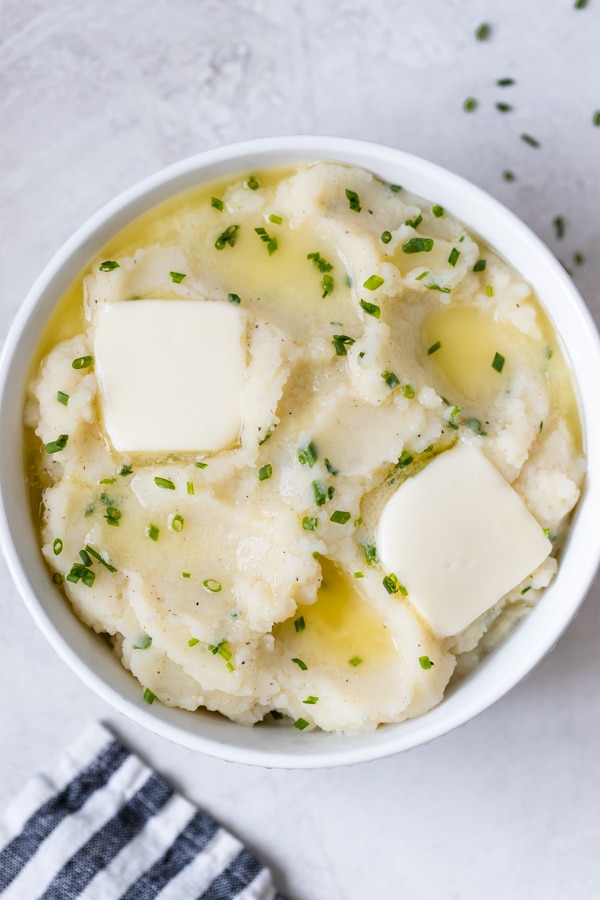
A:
<point x="367" y="332"/>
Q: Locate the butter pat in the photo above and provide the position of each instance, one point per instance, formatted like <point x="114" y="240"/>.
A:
<point x="458" y="537"/>
<point x="170" y="374"/>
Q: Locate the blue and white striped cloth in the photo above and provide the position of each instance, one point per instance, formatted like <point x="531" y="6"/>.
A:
<point x="100" y="825"/>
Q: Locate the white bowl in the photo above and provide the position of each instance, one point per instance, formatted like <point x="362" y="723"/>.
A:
<point x="275" y="746"/>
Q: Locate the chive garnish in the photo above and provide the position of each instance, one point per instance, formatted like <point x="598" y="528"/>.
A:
<point x="508" y="175"/>
<point x="276" y="714"/>
<point x="414" y="223"/>
<point x="408" y="391"/>
<point x="530" y="140"/>
<point x="234" y="298"/>
<point x="578" y="258"/>
<point x="177" y="277"/>
<point x="152" y="531"/>
<point x="340" y="341"/>
<point x="107" y="481"/>
<point x="212" y="585"/>
<point x="470" y="104"/>
<point x="265" y="472"/>
<point x="498" y="362"/>
<point x="434" y="348"/>
<point x="438" y="211"/>
<point x="327" y="285"/>
<point x="476" y="426"/>
<point x="390" y="379"/>
<point x="82" y="362"/>
<point x="386" y="237"/>
<point x="373" y="282"/>
<point x="59" y="444"/>
<point x="86" y="559"/>
<point x="330" y="468"/>
<point x="57" y="578"/>
<point x="503" y="107"/>
<point x="177" y="523"/>
<point x="276" y="220"/>
<point x="425" y="662"/>
<point x="62" y="398"/>
<point x="300" y="624"/>
<point x="525" y="589"/>
<point x="99" y="558"/>
<point x="353" y="200"/>
<point x="596" y="119"/>
<point x="126" y="470"/>
<point x="371" y="554"/>
<point x="404" y="459"/>
<point x="57" y="546"/>
<point x="340" y="516"/>
<point x="453" y="258"/>
<point x="80" y="572"/>
<point x="319" y="492"/>
<point x="143" y="642"/>
<point x="164" y="483"/>
<point x="395" y="188"/>
<point x="355" y="661"/>
<point x="418" y="245"/>
<point x="359" y="574"/>
<point x="321" y="264"/>
<point x="580" y="4"/>
<point x="252" y="183"/>
<point x="186" y="574"/>
<point x="559" y="225"/>
<point x="311" y="700"/>
<point x="149" y="697"/>
<point x="271" y="242"/>
<point x="301" y="724"/>
<point x="480" y="265"/>
<point x="391" y="584"/>
<point x="229" y="236"/>
<point x="200" y="465"/>
<point x="489" y="290"/>
<point x="190" y="488"/>
<point x="300" y="663"/>
<point x="108" y="265"/>
<point x="371" y="309"/>
<point x="193" y="641"/>
<point x="309" y="523"/>
<point x="483" y="32"/>
<point x="216" y="203"/>
<point x="308" y="455"/>
<point x="112" y="515"/>
<point x="505" y="82"/>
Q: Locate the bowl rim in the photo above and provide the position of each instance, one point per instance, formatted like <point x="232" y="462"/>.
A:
<point x="539" y="631"/>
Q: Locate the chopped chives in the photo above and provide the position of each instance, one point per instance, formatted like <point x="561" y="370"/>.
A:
<point x="359" y="574"/>
<point x="276" y="714"/>
<point x="530" y="140"/>
<point x="177" y="523"/>
<point x="164" y="483"/>
<point x="371" y="309"/>
<point x="200" y="465"/>
<point x="271" y="242"/>
<point x="578" y="258"/>
<point x="489" y="290"/>
<point x="470" y="104"/>
<point x="82" y="362"/>
<point x="438" y="211"/>
<point x="418" y="245"/>
<point x="505" y="82"/>
<point x="580" y="4"/>
<point x="311" y="700"/>
<point x="390" y="379"/>
<point x="559" y="225"/>
<point x="525" y="589"/>
<point x="404" y="460"/>
<point x="299" y="624"/>
<point x="408" y="391"/>
<point x="193" y="641"/>
<point x="80" y="572"/>
<point x="414" y="223"/>
<point x="309" y="523"/>
<point x="186" y="574"/>
<point x="57" y="578"/>
<point x="391" y="584"/>
<point x="177" y="277"/>
<point x="143" y="642"/>
<point x="86" y="559"/>
<point x="483" y="32"/>
<point x="371" y="554"/>
<point x="321" y="264"/>
<point x="125" y="470"/>
<point x="503" y="107"/>
<point x="480" y="265"/>
<point x="355" y="661"/>
<point x="97" y="556"/>
<point x="234" y="298"/>
<point x="327" y="285"/>
<point x="190" y="488"/>
<point x="596" y="118"/>
<point x="108" y="265"/>
<point x="152" y="531"/>
<point x="434" y="348"/>
<point x="308" y="455"/>
<point x="276" y="220"/>
<point x="386" y="237"/>
<point x="508" y="175"/>
<point x="301" y="724"/>
<point x="59" y="444"/>
<point x="107" y="481"/>
<point x="330" y="468"/>
<point x="425" y="662"/>
<point x="216" y="203"/>
<point x="395" y="188"/>
<point x="498" y="362"/>
<point x="149" y="697"/>
<point x="229" y="236"/>
<point x="112" y="515"/>
<point x="340" y="516"/>
<point x="300" y="663"/>
<point x="476" y="426"/>
<point x="319" y="492"/>
<point x="62" y="398"/>
<point x="265" y="472"/>
<point x="252" y="183"/>
<point x="353" y="200"/>
<point x="340" y="341"/>
<point x="373" y="282"/>
<point x="453" y="258"/>
<point x="57" y="546"/>
<point x="212" y="585"/>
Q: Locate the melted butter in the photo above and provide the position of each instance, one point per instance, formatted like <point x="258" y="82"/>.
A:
<point x="340" y="626"/>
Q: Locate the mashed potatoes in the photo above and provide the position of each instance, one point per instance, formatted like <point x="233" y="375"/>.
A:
<point x="376" y="335"/>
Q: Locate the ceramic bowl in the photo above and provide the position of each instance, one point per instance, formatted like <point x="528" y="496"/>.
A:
<point x="274" y="746"/>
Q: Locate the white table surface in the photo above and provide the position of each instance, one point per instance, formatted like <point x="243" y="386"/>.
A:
<point x="94" y="96"/>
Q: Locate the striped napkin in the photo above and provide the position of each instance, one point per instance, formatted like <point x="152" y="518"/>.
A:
<point x="100" y="824"/>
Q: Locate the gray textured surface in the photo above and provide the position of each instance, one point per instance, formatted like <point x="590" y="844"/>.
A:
<point x="94" y="96"/>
